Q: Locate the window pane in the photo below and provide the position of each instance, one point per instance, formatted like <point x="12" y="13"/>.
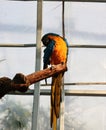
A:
<point x="16" y="112"/>
<point x="52" y="17"/>
<point x="85" y="113"/>
<point x="85" y="23"/>
<point x="86" y="65"/>
<point x="17" y="22"/>
<point x="17" y="60"/>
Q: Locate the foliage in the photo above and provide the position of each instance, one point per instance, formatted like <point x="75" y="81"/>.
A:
<point x="14" y="116"/>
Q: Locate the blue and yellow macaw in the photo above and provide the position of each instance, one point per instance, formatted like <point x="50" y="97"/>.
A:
<point x="55" y="53"/>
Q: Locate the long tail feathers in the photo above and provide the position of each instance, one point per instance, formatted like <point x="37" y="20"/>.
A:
<point x="55" y="99"/>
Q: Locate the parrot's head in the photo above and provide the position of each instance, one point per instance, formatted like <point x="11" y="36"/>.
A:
<point x="46" y="38"/>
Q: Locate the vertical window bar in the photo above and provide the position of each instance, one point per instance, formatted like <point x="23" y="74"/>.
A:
<point x="61" y="127"/>
<point x="38" y="67"/>
<point x="62" y="110"/>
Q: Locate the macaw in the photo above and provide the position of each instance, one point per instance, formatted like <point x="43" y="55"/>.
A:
<point x="55" y="53"/>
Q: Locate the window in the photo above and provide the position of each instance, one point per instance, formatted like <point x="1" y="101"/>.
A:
<point x="85" y="80"/>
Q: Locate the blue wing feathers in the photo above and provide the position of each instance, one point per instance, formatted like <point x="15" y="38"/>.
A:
<point x="47" y="54"/>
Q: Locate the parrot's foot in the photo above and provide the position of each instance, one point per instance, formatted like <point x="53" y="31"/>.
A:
<point x="62" y="63"/>
<point x="52" y="67"/>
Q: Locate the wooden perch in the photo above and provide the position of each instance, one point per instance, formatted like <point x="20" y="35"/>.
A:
<point x="46" y="73"/>
<point x="21" y="82"/>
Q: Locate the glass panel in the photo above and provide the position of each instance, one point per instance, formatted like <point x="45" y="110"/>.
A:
<point x="44" y="113"/>
<point x="85" y="23"/>
<point x="17" y="60"/>
<point x="85" y="113"/>
<point x="86" y="65"/>
<point x="16" y="112"/>
<point x="52" y="17"/>
<point x="17" y="22"/>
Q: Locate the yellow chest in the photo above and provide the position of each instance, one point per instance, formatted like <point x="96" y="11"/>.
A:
<point x="59" y="54"/>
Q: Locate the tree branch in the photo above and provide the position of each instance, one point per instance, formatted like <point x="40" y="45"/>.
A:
<point x="21" y="82"/>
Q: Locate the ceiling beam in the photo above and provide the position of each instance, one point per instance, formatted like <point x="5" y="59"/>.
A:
<point x="101" y="1"/>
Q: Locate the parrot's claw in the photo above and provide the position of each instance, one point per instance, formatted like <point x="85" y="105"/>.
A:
<point x="62" y="63"/>
<point x="52" y="67"/>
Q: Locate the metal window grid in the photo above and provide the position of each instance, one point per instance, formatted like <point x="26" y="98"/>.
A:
<point x="37" y="91"/>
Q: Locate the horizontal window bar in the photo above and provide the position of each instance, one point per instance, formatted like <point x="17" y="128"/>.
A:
<point x="17" y="45"/>
<point x="47" y="92"/>
<point x="80" y="83"/>
<point x="67" y="0"/>
<point x="70" y="46"/>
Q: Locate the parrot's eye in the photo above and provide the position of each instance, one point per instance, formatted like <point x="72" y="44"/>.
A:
<point x="45" y="41"/>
